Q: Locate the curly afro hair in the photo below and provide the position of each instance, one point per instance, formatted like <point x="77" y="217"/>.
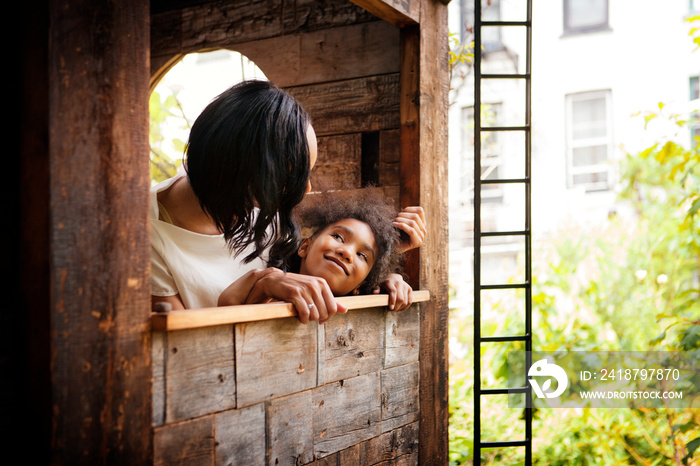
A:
<point x="368" y="205"/>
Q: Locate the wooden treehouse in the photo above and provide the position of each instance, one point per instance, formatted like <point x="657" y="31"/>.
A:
<point x="99" y="379"/>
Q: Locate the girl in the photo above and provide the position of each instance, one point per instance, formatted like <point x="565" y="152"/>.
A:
<point x="352" y="248"/>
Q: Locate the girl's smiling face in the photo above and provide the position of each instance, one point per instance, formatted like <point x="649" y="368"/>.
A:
<point x="343" y="253"/>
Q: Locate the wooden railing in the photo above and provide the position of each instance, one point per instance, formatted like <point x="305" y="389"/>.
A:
<point x="252" y="385"/>
<point x="194" y="318"/>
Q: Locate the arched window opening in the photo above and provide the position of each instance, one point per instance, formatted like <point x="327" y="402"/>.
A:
<point x="181" y="95"/>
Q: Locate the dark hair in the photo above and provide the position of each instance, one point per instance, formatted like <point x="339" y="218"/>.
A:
<point x="369" y="205"/>
<point x="249" y="147"/>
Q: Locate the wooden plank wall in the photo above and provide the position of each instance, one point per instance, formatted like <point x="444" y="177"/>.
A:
<point x="280" y="392"/>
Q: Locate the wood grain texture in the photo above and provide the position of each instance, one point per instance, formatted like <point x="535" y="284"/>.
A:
<point x="338" y="163"/>
<point x="398" y="447"/>
<point x="290" y="430"/>
<point x="189" y="443"/>
<point x="345" y="413"/>
<point x="355" y="105"/>
<point x="253" y="28"/>
<point x="336" y="54"/>
<point x="282" y="67"/>
<point x="397" y="12"/>
<point x="275" y="358"/>
<point x="389" y="158"/>
<point x="240" y="436"/>
<point x="400" y="401"/>
<point x="366" y="49"/>
<point x="312" y="15"/>
<point x="354" y="344"/>
<point x="390" y="448"/>
<point x="402" y="337"/>
<point x="434" y="358"/>
<point x="410" y="138"/>
<point x="100" y="338"/>
<point x="218" y="24"/>
<point x="199" y="372"/>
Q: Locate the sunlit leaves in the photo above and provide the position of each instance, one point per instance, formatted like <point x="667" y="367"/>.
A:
<point x="167" y="119"/>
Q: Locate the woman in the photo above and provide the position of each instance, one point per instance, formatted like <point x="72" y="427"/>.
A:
<point x="248" y="161"/>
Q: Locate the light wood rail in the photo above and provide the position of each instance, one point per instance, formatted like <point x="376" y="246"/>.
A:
<point x="207" y="317"/>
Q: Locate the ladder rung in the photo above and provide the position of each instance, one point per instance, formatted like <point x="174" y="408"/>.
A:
<point x="505" y="233"/>
<point x="505" y="128"/>
<point x="506" y="180"/>
<point x="507" y="286"/>
<point x="505" y="23"/>
<point x="503" y="391"/>
<point x="506" y="76"/>
<point x="505" y="338"/>
<point x="511" y="443"/>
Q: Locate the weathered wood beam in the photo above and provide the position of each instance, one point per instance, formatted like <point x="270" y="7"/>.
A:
<point x="99" y="316"/>
<point x="423" y="171"/>
<point x="397" y="12"/>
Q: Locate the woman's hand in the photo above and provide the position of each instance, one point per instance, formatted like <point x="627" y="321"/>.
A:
<point x="400" y="292"/>
<point x="311" y="296"/>
<point x="239" y="291"/>
<point x="411" y="221"/>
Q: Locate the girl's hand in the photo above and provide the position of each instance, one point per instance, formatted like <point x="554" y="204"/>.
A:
<point x="411" y="221"/>
<point x="311" y="296"/>
<point x="400" y="292"/>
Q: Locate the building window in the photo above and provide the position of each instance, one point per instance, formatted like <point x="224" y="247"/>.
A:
<point x="491" y="40"/>
<point x="585" y="16"/>
<point x="588" y="140"/>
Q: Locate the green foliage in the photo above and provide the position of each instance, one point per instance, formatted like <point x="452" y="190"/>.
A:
<point x="663" y="182"/>
<point x="459" y="59"/>
<point x="631" y="284"/>
<point x="459" y="53"/>
<point x="694" y="30"/>
<point x="166" y="150"/>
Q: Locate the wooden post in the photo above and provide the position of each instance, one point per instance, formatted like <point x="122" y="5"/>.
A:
<point x="424" y="92"/>
<point x="99" y="312"/>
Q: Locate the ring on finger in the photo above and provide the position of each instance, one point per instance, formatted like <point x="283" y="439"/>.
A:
<point x="311" y="305"/>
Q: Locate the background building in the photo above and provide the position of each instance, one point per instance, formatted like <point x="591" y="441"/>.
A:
<point x="598" y="66"/>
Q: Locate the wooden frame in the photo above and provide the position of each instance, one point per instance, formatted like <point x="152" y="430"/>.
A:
<point x="83" y="339"/>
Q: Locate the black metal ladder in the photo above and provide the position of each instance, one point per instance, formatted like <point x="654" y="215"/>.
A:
<point x="525" y="181"/>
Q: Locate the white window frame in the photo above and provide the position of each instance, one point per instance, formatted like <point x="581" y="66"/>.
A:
<point x="604" y="140"/>
<point x="490" y="37"/>
<point x="602" y="26"/>
<point x="489" y="161"/>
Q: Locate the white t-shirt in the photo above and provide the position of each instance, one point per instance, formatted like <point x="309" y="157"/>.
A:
<point x="197" y="267"/>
